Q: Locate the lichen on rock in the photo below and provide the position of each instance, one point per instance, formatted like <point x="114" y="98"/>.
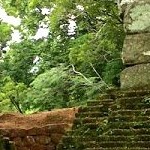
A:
<point x="136" y="49"/>
<point x="136" y="15"/>
<point x="136" y="77"/>
<point x="140" y="15"/>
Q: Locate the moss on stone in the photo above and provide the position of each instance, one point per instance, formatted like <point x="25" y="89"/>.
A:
<point x="140" y="15"/>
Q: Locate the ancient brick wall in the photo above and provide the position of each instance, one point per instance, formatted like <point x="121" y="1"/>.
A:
<point x="41" y="131"/>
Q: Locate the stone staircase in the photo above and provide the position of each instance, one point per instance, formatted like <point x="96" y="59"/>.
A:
<point x="119" y="120"/>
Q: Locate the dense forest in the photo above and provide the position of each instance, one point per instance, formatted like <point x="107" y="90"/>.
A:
<point x="68" y="53"/>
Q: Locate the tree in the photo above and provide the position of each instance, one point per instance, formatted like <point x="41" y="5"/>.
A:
<point x="58" y="88"/>
<point x="11" y="95"/>
<point x="79" y="55"/>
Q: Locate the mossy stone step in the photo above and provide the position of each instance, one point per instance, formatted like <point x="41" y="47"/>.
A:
<point x="91" y="114"/>
<point x="98" y="108"/>
<point x="129" y="118"/>
<point x="131" y="105"/>
<point x="125" y="132"/>
<point x="104" y="96"/>
<point x="131" y="112"/>
<point x="116" y="148"/>
<point x="118" y="121"/>
<point x="130" y="93"/>
<point x="129" y="100"/>
<point x="86" y="120"/>
<point x="89" y="126"/>
<point x="85" y="132"/>
<point x="70" y="143"/>
<point x="103" y="138"/>
<point x="106" y="102"/>
<point x="71" y="146"/>
<point x="86" y="129"/>
<point x="66" y="139"/>
<point x="129" y="125"/>
<point x="123" y="138"/>
<point x="113" y="144"/>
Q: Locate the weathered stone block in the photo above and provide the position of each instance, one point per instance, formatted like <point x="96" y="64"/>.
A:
<point x="44" y="140"/>
<point x="136" y="77"/>
<point x="18" y="141"/>
<point x="55" y="137"/>
<point x="28" y="140"/>
<point x="136" y="49"/>
<point x="136" y="15"/>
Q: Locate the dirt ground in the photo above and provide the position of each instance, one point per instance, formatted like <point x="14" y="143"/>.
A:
<point x="16" y="120"/>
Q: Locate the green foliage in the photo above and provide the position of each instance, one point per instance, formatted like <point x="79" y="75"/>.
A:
<point x="11" y="95"/>
<point x="5" y="33"/>
<point x="18" y="62"/>
<point x="112" y="71"/>
<point x="58" y="88"/>
<point x="48" y="90"/>
<point x="72" y="68"/>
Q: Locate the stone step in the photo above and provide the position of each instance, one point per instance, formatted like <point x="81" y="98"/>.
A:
<point x="119" y="144"/>
<point x="127" y="132"/>
<point x="67" y="139"/>
<point x="116" y="148"/>
<point x="126" y="100"/>
<point x="91" y="114"/>
<point x="83" y="121"/>
<point x="62" y="146"/>
<point x="129" y="118"/>
<point x="91" y="125"/>
<point x="104" y="96"/>
<point x="124" y="138"/>
<point x="84" y="131"/>
<point x="99" y="108"/>
<point x="103" y="138"/>
<point x="88" y="126"/>
<point x="92" y="144"/>
<point x="130" y="93"/>
<point x="81" y="128"/>
<point x="132" y="106"/>
<point x="129" y="125"/>
<point x="108" y="124"/>
<point x="131" y="112"/>
<point x="106" y="102"/>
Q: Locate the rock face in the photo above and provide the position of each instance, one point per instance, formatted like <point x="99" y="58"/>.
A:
<point x="136" y="48"/>
<point x="41" y="131"/>
<point x="136" y="15"/>
<point x="136" y="76"/>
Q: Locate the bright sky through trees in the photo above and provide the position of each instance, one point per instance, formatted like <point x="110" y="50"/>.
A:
<point x="9" y="19"/>
<point x="41" y="32"/>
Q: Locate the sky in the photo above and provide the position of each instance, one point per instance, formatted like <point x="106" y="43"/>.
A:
<point x="43" y="29"/>
<point x="9" y="19"/>
<point x="42" y="32"/>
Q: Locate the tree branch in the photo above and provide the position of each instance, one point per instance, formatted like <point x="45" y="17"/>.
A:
<point x="98" y="75"/>
<point x="79" y="73"/>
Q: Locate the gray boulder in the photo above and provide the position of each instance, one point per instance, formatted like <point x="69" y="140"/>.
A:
<point x="136" y="15"/>
<point x="136" y="77"/>
<point x="136" y="49"/>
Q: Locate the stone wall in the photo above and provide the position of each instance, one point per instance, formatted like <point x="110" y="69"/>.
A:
<point x="136" y="49"/>
<point x="40" y="138"/>
<point x="41" y="131"/>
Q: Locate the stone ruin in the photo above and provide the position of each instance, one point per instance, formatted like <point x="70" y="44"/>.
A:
<point x="40" y="131"/>
<point x="119" y="119"/>
<point x="136" y="48"/>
